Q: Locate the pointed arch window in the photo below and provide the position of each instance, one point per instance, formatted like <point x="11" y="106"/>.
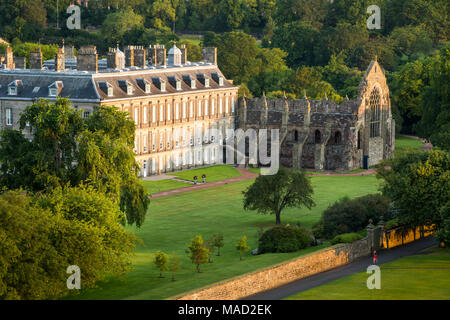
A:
<point x="375" y="113"/>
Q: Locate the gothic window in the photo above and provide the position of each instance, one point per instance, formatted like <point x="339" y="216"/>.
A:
<point x="359" y="139"/>
<point x="295" y="135"/>
<point x="375" y="113"/>
<point x="317" y="136"/>
<point x="337" y="137"/>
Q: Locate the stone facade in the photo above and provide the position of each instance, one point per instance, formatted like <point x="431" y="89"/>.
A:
<point x="323" y="135"/>
<point x="87" y="59"/>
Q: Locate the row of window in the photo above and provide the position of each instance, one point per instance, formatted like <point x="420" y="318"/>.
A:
<point x="183" y="110"/>
<point x="166" y="140"/>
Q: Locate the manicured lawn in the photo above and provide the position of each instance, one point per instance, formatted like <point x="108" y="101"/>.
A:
<point x="163" y="185"/>
<point x="419" y="277"/>
<point x="213" y="173"/>
<point x="192" y="37"/>
<point x="404" y="143"/>
<point x="172" y="221"/>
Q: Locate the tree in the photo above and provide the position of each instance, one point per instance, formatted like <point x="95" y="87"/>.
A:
<point x="218" y="242"/>
<point x="418" y="185"/>
<point x="42" y="235"/>
<point x="242" y="246"/>
<point x="174" y="265"/>
<point x="67" y="149"/>
<point x="272" y="194"/>
<point x="117" y="23"/>
<point x="161" y="259"/>
<point x="198" y="253"/>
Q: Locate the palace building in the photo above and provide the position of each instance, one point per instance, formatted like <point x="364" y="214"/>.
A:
<point x="174" y="103"/>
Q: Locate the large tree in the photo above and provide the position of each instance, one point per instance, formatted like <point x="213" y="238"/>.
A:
<point x="274" y="193"/>
<point x="67" y="149"/>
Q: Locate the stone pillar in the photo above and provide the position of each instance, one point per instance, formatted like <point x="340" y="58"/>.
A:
<point x="209" y="54"/>
<point x="87" y="59"/>
<point x="9" y="58"/>
<point x="183" y="54"/>
<point x="139" y="57"/>
<point x="36" y="59"/>
<point x="381" y="225"/>
<point x="129" y="56"/>
<point x="60" y="60"/>
<point x="370" y="235"/>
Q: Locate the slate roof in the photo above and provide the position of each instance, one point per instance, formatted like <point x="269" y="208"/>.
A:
<point x="82" y="86"/>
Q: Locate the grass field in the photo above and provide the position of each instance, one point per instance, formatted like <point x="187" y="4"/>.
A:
<point x="420" y="277"/>
<point x="163" y="185"/>
<point x="192" y="37"/>
<point x="173" y="221"/>
<point x="404" y="143"/>
<point x="214" y="173"/>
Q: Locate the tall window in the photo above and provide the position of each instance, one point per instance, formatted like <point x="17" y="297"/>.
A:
<point x="177" y="110"/>
<point x="161" y="113"/>
<point x="232" y="104"/>
<point x="153" y="113"/>
<point x="144" y="118"/>
<point x="226" y="104"/>
<point x="375" y="113"/>
<point x="184" y="109"/>
<point x="317" y="137"/>
<point x="199" y="113"/>
<point x="136" y="115"/>
<point x="220" y="106"/>
<point x="213" y="107"/>
<point x="144" y="143"/>
<point x="9" y="121"/>
<point x="206" y="107"/>
<point x="191" y="109"/>
<point x="168" y="112"/>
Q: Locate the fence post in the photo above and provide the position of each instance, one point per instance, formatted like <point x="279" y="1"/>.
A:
<point x="381" y="226"/>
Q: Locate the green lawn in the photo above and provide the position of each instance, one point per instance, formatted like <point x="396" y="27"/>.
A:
<point x="173" y="221"/>
<point x="163" y="185"/>
<point x="196" y="39"/>
<point x="213" y="173"/>
<point x="404" y="143"/>
<point x="420" y="277"/>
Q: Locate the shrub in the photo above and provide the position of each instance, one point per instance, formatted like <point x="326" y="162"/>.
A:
<point x="283" y="239"/>
<point x="351" y="215"/>
<point x="346" y="238"/>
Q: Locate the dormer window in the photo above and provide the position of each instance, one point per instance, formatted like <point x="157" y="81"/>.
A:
<point x="189" y="81"/>
<point x="159" y="83"/>
<point x="106" y="87"/>
<point x="13" y="87"/>
<point x="144" y="85"/>
<point x="217" y="78"/>
<point x="126" y="86"/>
<point x="55" y="88"/>
<point x="203" y="80"/>
<point x="175" y="82"/>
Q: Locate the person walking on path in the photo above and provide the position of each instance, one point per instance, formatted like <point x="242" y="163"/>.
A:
<point x="374" y="258"/>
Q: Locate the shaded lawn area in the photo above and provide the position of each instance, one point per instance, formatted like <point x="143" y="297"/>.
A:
<point x="213" y="173"/>
<point x="419" y="277"/>
<point x="172" y="221"/>
<point x="163" y="185"/>
<point x="405" y="143"/>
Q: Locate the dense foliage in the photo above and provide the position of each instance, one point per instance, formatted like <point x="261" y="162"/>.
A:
<point x="283" y="239"/>
<point x="346" y="238"/>
<point x="66" y="149"/>
<point x="42" y="235"/>
<point x="351" y="215"/>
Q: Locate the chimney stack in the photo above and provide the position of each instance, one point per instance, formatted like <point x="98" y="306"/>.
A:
<point x="36" y="59"/>
<point x="9" y="58"/>
<point x="209" y="54"/>
<point x="139" y="57"/>
<point x="151" y="54"/>
<point x="129" y="56"/>
<point x="20" y="62"/>
<point x="60" y="60"/>
<point x="87" y="59"/>
<point x="115" y="59"/>
<point x="160" y="55"/>
<point x="183" y="54"/>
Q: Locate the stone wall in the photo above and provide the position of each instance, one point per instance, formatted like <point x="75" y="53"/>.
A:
<point x="394" y="238"/>
<point x="283" y="273"/>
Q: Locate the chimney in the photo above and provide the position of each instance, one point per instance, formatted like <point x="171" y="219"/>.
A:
<point x="87" y="59"/>
<point x="115" y="59"/>
<point x="160" y="55"/>
<point x="129" y="56"/>
<point x="60" y="60"/>
<point x="139" y="57"/>
<point x="20" y="62"/>
<point x="151" y="52"/>
<point x="209" y="54"/>
<point x="69" y="52"/>
<point x="183" y="54"/>
<point x="9" y="58"/>
<point x="36" y="59"/>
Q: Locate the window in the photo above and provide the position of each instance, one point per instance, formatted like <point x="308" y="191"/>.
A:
<point x="232" y="104"/>
<point x="199" y="112"/>
<point x="220" y="105"/>
<point x="184" y="109"/>
<point x="168" y="112"/>
<point x="9" y="120"/>
<point x="317" y="136"/>
<point x="12" y="91"/>
<point x="86" y="114"/>
<point x="161" y="113"/>
<point x="136" y="116"/>
<point x="53" y="92"/>
<point x="226" y="105"/>
<point x="191" y="109"/>
<point x="213" y="107"/>
<point x="359" y="139"/>
<point x="153" y="113"/>
<point x="374" y="105"/>
<point x="296" y="136"/>
<point x="206" y="107"/>
<point x="168" y="140"/>
<point x="144" y="144"/>
<point x="136" y="145"/>
<point x="153" y="164"/>
<point x="161" y="141"/>
<point x="145" y="168"/>
<point x="144" y="120"/>
<point x="153" y="142"/>
<point x="177" y="111"/>
<point x="337" y="137"/>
